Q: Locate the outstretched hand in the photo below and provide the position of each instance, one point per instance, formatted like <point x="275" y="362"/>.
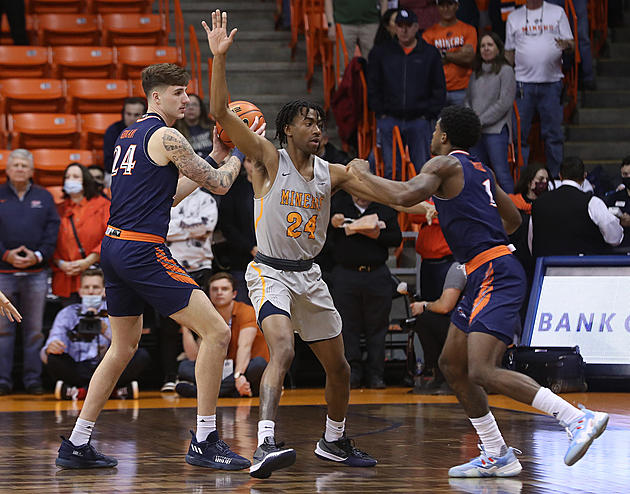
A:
<point x="218" y="39"/>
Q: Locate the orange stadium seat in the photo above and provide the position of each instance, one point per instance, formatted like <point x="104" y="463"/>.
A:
<point x="24" y="61"/>
<point x="134" y="29"/>
<point x="93" y="127"/>
<point x="132" y="59"/>
<point x="55" y="6"/>
<point x="51" y="163"/>
<point x="31" y="95"/>
<point x="4" y="156"/>
<point x="96" y="95"/>
<point x="120" y="6"/>
<point x="68" y="29"/>
<point x="3" y="131"/>
<point x="56" y="191"/>
<point x="5" y="31"/>
<point x="72" y="62"/>
<point x="44" y="130"/>
<point x="135" y="86"/>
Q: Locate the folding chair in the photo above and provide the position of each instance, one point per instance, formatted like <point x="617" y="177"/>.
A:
<point x="68" y="29"/>
<point x="24" y="61"/>
<point x="31" y="95"/>
<point x="55" y="6"/>
<point x="132" y="59"/>
<point x="96" y="95"/>
<point x="50" y="164"/>
<point x="44" y="130"/>
<point x="121" y="6"/>
<point x="72" y="62"/>
<point x="93" y="127"/>
<point x="134" y="29"/>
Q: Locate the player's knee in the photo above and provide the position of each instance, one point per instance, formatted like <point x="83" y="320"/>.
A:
<point x="450" y="368"/>
<point x="479" y="374"/>
<point x="282" y="355"/>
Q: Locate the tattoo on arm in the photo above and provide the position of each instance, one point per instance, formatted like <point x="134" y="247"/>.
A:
<point x="180" y="152"/>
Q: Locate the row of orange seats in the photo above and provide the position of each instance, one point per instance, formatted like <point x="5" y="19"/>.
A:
<point x="93" y="29"/>
<point x="71" y="62"/>
<point x="51" y="163"/>
<point x="78" y="6"/>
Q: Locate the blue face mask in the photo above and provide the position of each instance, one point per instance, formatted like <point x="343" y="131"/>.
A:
<point x="91" y="302"/>
<point x="72" y="186"/>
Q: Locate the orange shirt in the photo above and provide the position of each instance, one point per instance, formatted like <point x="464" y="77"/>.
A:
<point x="520" y="202"/>
<point x="452" y="38"/>
<point x="244" y="316"/>
<point x="90" y="220"/>
<point x="431" y="243"/>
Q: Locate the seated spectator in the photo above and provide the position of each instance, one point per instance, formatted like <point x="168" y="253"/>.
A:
<point x="567" y="221"/>
<point x="329" y="152"/>
<point x="78" y="340"/>
<point x="620" y="199"/>
<point x="195" y="126"/>
<point x="28" y="232"/>
<point x="387" y="27"/>
<point x="491" y="94"/>
<point x="247" y="354"/>
<point x="133" y="108"/>
<point x="98" y="174"/>
<point x="456" y="41"/>
<point x="432" y="323"/>
<point x="84" y="214"/>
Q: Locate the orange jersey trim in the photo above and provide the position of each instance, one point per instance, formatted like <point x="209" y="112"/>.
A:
<point x="485" y="292"/>
<point x="114" y="232"/>
<point x="486" y="256"/>
<point x="173" y="269"/>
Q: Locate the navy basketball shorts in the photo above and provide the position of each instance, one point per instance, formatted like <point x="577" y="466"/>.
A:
<point x="492" y="299"/>
<point x="143" y="272"/>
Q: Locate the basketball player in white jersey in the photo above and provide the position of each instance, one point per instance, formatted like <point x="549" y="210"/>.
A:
<point x="292" y="191"/>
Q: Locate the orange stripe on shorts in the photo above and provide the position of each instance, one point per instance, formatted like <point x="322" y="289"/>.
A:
<point x="485" y="292"/>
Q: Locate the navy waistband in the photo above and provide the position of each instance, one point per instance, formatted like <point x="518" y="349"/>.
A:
<point x="284" y="264"/>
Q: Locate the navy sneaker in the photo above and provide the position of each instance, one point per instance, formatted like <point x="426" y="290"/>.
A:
<point x="214" y="453"/>
<point x="85" y="456"/>
<point x="343" y="451"/>
<point x="270" y="456"/>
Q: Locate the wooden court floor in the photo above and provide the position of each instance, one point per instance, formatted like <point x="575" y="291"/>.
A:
<point x="415" y="438"/>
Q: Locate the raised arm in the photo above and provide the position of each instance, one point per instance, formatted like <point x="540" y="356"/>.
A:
<point x="253" y="146"/>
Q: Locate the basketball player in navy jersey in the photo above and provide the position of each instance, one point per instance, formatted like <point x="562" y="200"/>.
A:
<point x="474" y="215"/>
<point x="139" y="268"/>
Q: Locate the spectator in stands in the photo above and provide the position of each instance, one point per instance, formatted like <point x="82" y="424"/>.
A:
<point x="329" y="152"/>
<point x="536" y="36"/>
<point x="84" y="214"/>
<point x="405" y="88"/>
<point x="432" y="323"/>
<point x="28" y="232"/>
<point x="362" y="282"/>
<point x="359" y="20"/>
<point x="425" y="10"/>
<point x="387" y="27"/>
<point x="621" y="199"/>
<point x="534" y="181"/>
<point x="133" y="107"/>
<point x="567" y="221"/>
<point x="491" y="94"/>
<point x="195" y="126"/>
<point x="247" y="354"/>
<point x="16" y="16"/>
<point x="8" y="310"/>
<point x="584" y="42"/>
<point x="78" y="340"/>
<point x="98" y="174"/>
<point x="456" y="41"/>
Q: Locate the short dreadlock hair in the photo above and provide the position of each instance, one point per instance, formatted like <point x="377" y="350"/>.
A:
<point x="292" y="109"/>
<point x="462" y="126"/>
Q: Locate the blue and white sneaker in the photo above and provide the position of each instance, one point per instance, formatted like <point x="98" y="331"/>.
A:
<point x="214" y="453"/>
<point x="84" y="456"/>
<point x="343" y="451"/>
<point x="583" y="432"/>
<point x="489" y="466"/>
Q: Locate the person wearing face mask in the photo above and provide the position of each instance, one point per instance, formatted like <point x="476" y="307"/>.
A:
<point x="79" y="337"/>
<point x="620" y="201"/>
<point x="490" y="93"/>
<point x="84" y="214"/>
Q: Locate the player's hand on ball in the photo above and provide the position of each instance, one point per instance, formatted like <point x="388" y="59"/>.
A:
<point x="359" y="168"/>
<point x="218" y="39"/>
<point x="256" y="129"/>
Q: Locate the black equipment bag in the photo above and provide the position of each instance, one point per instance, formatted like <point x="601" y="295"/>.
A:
<point x="561" y="369"/>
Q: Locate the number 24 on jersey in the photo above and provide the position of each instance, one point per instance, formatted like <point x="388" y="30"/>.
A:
<point x="128" y="161"/>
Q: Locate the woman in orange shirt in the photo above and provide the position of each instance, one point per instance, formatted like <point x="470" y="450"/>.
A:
<point x="79" y="247"/>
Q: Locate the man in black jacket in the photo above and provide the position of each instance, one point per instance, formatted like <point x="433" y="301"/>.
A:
<point x="362" y="283"/>
<point x="567" y="221"/>
<point x="406" y="87"/>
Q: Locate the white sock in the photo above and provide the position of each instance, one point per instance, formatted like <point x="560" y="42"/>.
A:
<point x="266" y="428"/>
<point x="334" y="430"/>
<point x="206" y="424"/>
<point x="548" y="402"/>
<point x="489" y="434"/>
<point x="82" y="432"/>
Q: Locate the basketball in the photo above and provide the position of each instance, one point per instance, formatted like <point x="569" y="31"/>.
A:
<point x="247" y="112"/>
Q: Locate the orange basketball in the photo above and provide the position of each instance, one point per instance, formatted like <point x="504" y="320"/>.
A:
<point x="247" y="112"/>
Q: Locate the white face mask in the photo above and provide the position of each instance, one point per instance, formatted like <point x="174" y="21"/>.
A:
<point x="91" y="302"/>
<point x="72" y="186"/>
